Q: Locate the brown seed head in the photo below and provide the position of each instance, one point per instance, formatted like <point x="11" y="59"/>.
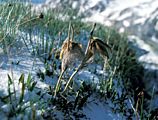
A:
<point x="71" y="51"/>
<point x="71" y="55"/>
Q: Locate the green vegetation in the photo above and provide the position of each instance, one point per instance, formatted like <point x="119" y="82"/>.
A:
<point x="122" y="85"/>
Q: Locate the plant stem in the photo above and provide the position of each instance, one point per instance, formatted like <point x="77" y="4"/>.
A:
<point x="58" y="84"/>
<point x="83" y="61"/>
<point x="71" y="77"/>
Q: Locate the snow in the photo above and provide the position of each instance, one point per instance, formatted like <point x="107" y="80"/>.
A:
<point x="124" y="16"/>
<point x="149" y="58"/>
<point x="114" y="9"/>
<point x="100" y="111"/>
<point x="27" y="64"/>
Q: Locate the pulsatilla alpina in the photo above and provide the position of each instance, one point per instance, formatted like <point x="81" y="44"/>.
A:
<point x="72" y="52"/>
<point x="95" y="46"/>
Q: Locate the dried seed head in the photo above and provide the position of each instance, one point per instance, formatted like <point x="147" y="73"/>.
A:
<point x="103" y="49"/>
<point x="71" y="52"/>
<point x="72" y="56"/>
<point x="64" y="48"/>
<point x="97" y="46"/>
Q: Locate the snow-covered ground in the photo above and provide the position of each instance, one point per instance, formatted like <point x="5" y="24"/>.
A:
<point x="16" y="61"/>
<point x="27" y="64"/>
<point x="20" y="60"/>
<point x="99" y="111"/>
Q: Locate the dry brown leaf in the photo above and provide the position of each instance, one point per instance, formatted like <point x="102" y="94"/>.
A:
<point x="103" y="49"/>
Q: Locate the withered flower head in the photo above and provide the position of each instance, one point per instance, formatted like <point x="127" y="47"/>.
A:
<point x="41" y="16"/>
<point x="71" y="51"/>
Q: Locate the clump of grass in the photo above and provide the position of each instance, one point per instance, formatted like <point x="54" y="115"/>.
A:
<point x="16" y="103"/>
<point x="71" y="104"/>
<point x="11" y="19"/>
<point x="126" y="70"/>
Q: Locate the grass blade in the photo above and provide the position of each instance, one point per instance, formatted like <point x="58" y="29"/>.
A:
<point x="9" y="90"/>
<point x="21" y="80"/>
